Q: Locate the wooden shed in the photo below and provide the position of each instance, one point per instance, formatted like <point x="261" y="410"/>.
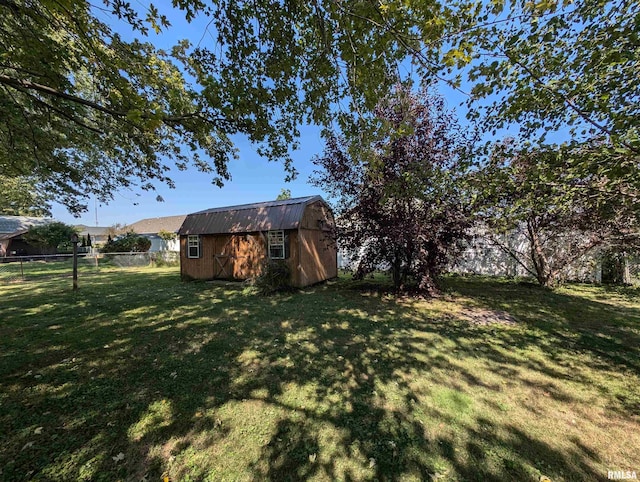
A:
<point x="233" y="242"/>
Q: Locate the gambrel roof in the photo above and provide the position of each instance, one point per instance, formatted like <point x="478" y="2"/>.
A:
<point x="247" y="218"/>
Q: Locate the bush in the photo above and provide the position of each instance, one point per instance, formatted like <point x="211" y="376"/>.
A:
<point x="128" y="243"/>
<point x="50" y="236"/>
<point x="275" y="277"/>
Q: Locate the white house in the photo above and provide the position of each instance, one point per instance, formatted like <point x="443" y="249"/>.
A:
<point x="150" y="227"/>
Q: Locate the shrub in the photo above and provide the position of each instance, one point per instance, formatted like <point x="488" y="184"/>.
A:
<point x="275" y="277"/>
<point x="130" y="242"/>
<point x="50" y="236"/>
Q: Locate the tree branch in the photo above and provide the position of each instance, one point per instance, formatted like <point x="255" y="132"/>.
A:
<point x="21" y="84"/>
<point x="64" y="114"/>
<point x="511" y="253"/>
<point x="566" y="100"/>
<point x="31" y="129"/>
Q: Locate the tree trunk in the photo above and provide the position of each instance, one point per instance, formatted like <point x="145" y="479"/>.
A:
<point x="538" y="258"/>
<point x="396" y="273"/>
<point x="408" y="265"/>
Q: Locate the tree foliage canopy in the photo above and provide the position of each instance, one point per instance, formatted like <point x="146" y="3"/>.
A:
<point x="50" y="235"/>
<point x="89" y="110"/>
<point x="21" y="196"/>
<point x="284" y="194"/>
<point x="557" y="64"/>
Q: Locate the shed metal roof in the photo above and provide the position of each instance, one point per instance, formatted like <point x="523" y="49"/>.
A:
<point x="247" y="218"/>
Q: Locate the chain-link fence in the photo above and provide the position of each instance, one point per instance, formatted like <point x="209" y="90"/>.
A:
<point x="28" y="268"/>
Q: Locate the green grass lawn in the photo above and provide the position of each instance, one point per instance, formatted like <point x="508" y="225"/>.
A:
<point x="139" y="376"/>
<point x="34" y="270"/>
<point x="38" y="268"/>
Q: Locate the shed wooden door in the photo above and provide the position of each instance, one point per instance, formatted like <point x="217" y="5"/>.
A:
<point x="223" y="257"/>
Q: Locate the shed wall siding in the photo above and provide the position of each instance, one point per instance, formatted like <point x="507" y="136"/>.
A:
<point x="234" y="256"/>
<point x="197" y="268"/>
<point x="315" y="212"/>
<point x="318" y="257"/>
<point x="294" y="259"/>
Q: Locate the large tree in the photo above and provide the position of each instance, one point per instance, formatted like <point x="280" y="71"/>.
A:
<point x="89" y="110"/>
<point x="21" y="196"/>
<point x="401" y="200"/>
<point x="50" y="236"/>
<point x="534" y="192"/>
<point x="90" y="105"/>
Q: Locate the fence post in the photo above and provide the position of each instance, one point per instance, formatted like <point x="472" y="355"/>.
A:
<point x="21" y="269"/>
<point x="74" y="240"/>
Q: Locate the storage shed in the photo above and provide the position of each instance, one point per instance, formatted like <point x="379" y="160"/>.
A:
<point x="233" y="242"/>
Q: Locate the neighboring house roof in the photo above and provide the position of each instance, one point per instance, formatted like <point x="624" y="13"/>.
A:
<point x="83" y="230"/>
<point x="155" y="225"/>
<point x="11" y="224"/>
<point x="15" y="234"/>
<point x="246" y="218"/>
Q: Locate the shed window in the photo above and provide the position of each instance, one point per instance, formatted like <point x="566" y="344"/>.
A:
<point x="193" y="246"/>
<point x="277" y="244"/>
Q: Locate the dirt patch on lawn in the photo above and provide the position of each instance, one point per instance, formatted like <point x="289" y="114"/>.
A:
<point x="484" y="316"/>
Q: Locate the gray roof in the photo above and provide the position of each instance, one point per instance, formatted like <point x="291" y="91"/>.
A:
<point x="155" y="225"/>
<point x="15" y="234"/>
<point x="11" y="224"/>
<point x="83" y="229"/>
<point x="247" y="218"/>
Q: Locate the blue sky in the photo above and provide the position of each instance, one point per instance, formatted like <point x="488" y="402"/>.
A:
<point x="254" y="179"/>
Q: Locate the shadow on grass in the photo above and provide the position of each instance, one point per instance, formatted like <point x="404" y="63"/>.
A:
<point x="198" y="380"/>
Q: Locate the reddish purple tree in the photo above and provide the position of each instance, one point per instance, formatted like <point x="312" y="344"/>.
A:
<point x="400" y="201"/>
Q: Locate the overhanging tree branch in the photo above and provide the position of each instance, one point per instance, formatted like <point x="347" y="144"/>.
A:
<point x="567" y="101"/>
<point x="44" y="89"/>
<point x="512" y="253"/>
<point x="64" y="114"/>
